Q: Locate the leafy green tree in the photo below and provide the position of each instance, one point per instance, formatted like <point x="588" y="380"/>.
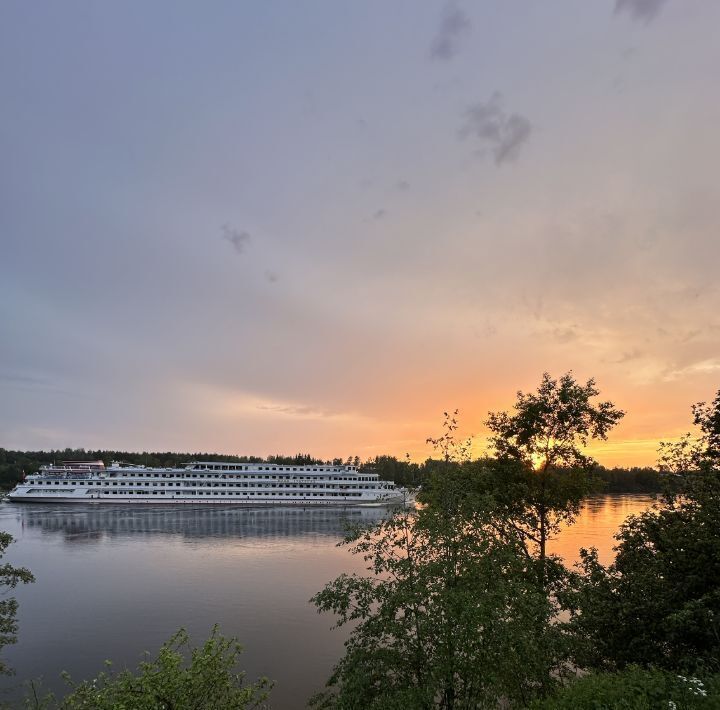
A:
<point x="707" y="417"/>
<point x="204" y="679"/>
<point x="658" y="604"/>
<point x="448" y="616"/>
<point x="10" y="577"/>
<point x="546" y="434"/>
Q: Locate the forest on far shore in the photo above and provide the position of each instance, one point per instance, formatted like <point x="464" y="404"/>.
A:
<point x="15" y="464"/>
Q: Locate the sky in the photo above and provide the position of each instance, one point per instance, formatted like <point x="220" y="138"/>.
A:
<point x="277" y="227"/>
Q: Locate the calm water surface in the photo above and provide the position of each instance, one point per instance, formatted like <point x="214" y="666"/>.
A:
<point x="115" y="581"/>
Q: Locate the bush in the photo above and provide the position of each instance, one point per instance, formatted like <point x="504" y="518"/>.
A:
<point x="636" y="689"/>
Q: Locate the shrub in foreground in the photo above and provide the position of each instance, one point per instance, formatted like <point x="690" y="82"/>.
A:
<point x="205" y="678"/>
<point x="636" y="689"/>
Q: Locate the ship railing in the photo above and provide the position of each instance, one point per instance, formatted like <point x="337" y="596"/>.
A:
<point x="65" y="475"/>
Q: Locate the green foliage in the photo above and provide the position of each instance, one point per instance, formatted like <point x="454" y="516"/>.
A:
<point x="206" y="680"/>
<point x="707" y="417"/>
<point x="10" y="577"/>
<point x="550" y="426"/>
<point x="447" y="444"/>
<point x="546" y="435"/>
<point x="692" y="453"/>
<point x="658" y="604"/>
<point x="448" y="616"/>
<point x="390" y="468"/>
<point x="635" y="689"/>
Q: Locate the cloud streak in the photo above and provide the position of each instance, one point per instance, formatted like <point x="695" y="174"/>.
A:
<point x="504" y="134"/>
<point x="455" y="24"/>
<point x="702" y="367"/>
<point x="292" y="410"/>
<point x="640" y="10"/>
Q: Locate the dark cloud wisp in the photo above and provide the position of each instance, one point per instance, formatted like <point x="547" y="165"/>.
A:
<point x="504" y="134"/>
<point x="641" y="10"/>
<point x="454" y="25"/>
<point x="236" y="237"/>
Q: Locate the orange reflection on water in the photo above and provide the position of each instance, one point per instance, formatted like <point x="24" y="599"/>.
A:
<point x="599" y="520"/>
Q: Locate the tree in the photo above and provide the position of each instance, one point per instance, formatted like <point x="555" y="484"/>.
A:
<point x="207" y="680"/>
<point x="448" y="616"/>
<point x="658" y="604"/>
<point x="692" y="453"/>
<point x="390" y="468"/>
<point x="707" y="417"/>
<point x="546" y="434"/>
<point x="10" y="577"/>
<point x="451" y="450"/>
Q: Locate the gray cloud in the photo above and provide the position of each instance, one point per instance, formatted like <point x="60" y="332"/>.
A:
<point x="380" y="214"/>
<point x="455" y="23"/>
<point x="402" y="185"/>
<point x="271" y="276"/>
<point x="640" y="10"/>
<point x="503" y="133"/>
<point x="236" y="237"/>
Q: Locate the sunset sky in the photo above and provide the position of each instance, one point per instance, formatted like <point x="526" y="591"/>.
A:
<point x="271" y="227"/>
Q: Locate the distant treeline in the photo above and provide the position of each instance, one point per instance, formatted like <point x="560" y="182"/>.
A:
<point x="13" y="464"/>
<point x="609" y="480"/>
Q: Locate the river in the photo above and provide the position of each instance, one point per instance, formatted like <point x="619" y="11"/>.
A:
<point x="113" y="581"/>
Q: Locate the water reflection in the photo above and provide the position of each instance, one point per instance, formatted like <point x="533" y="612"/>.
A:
<point x="91" y="523"/>
<point x="599" y="521"/>
<point x="114" y="580"/>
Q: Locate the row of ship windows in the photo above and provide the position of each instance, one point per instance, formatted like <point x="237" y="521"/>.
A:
<point x="234" y="467"/>
<point x="213" y="485"/>
<point x="191" y="492"/>
<point x="215" y="475"/>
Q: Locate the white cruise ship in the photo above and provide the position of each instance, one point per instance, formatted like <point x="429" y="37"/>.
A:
<point x="207" y="482"/>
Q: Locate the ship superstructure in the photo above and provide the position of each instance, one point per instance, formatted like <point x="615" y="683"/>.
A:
<point x="207" y="482"/>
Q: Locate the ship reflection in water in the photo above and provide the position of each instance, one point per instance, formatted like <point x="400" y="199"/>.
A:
<point x="94" y="522"/>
